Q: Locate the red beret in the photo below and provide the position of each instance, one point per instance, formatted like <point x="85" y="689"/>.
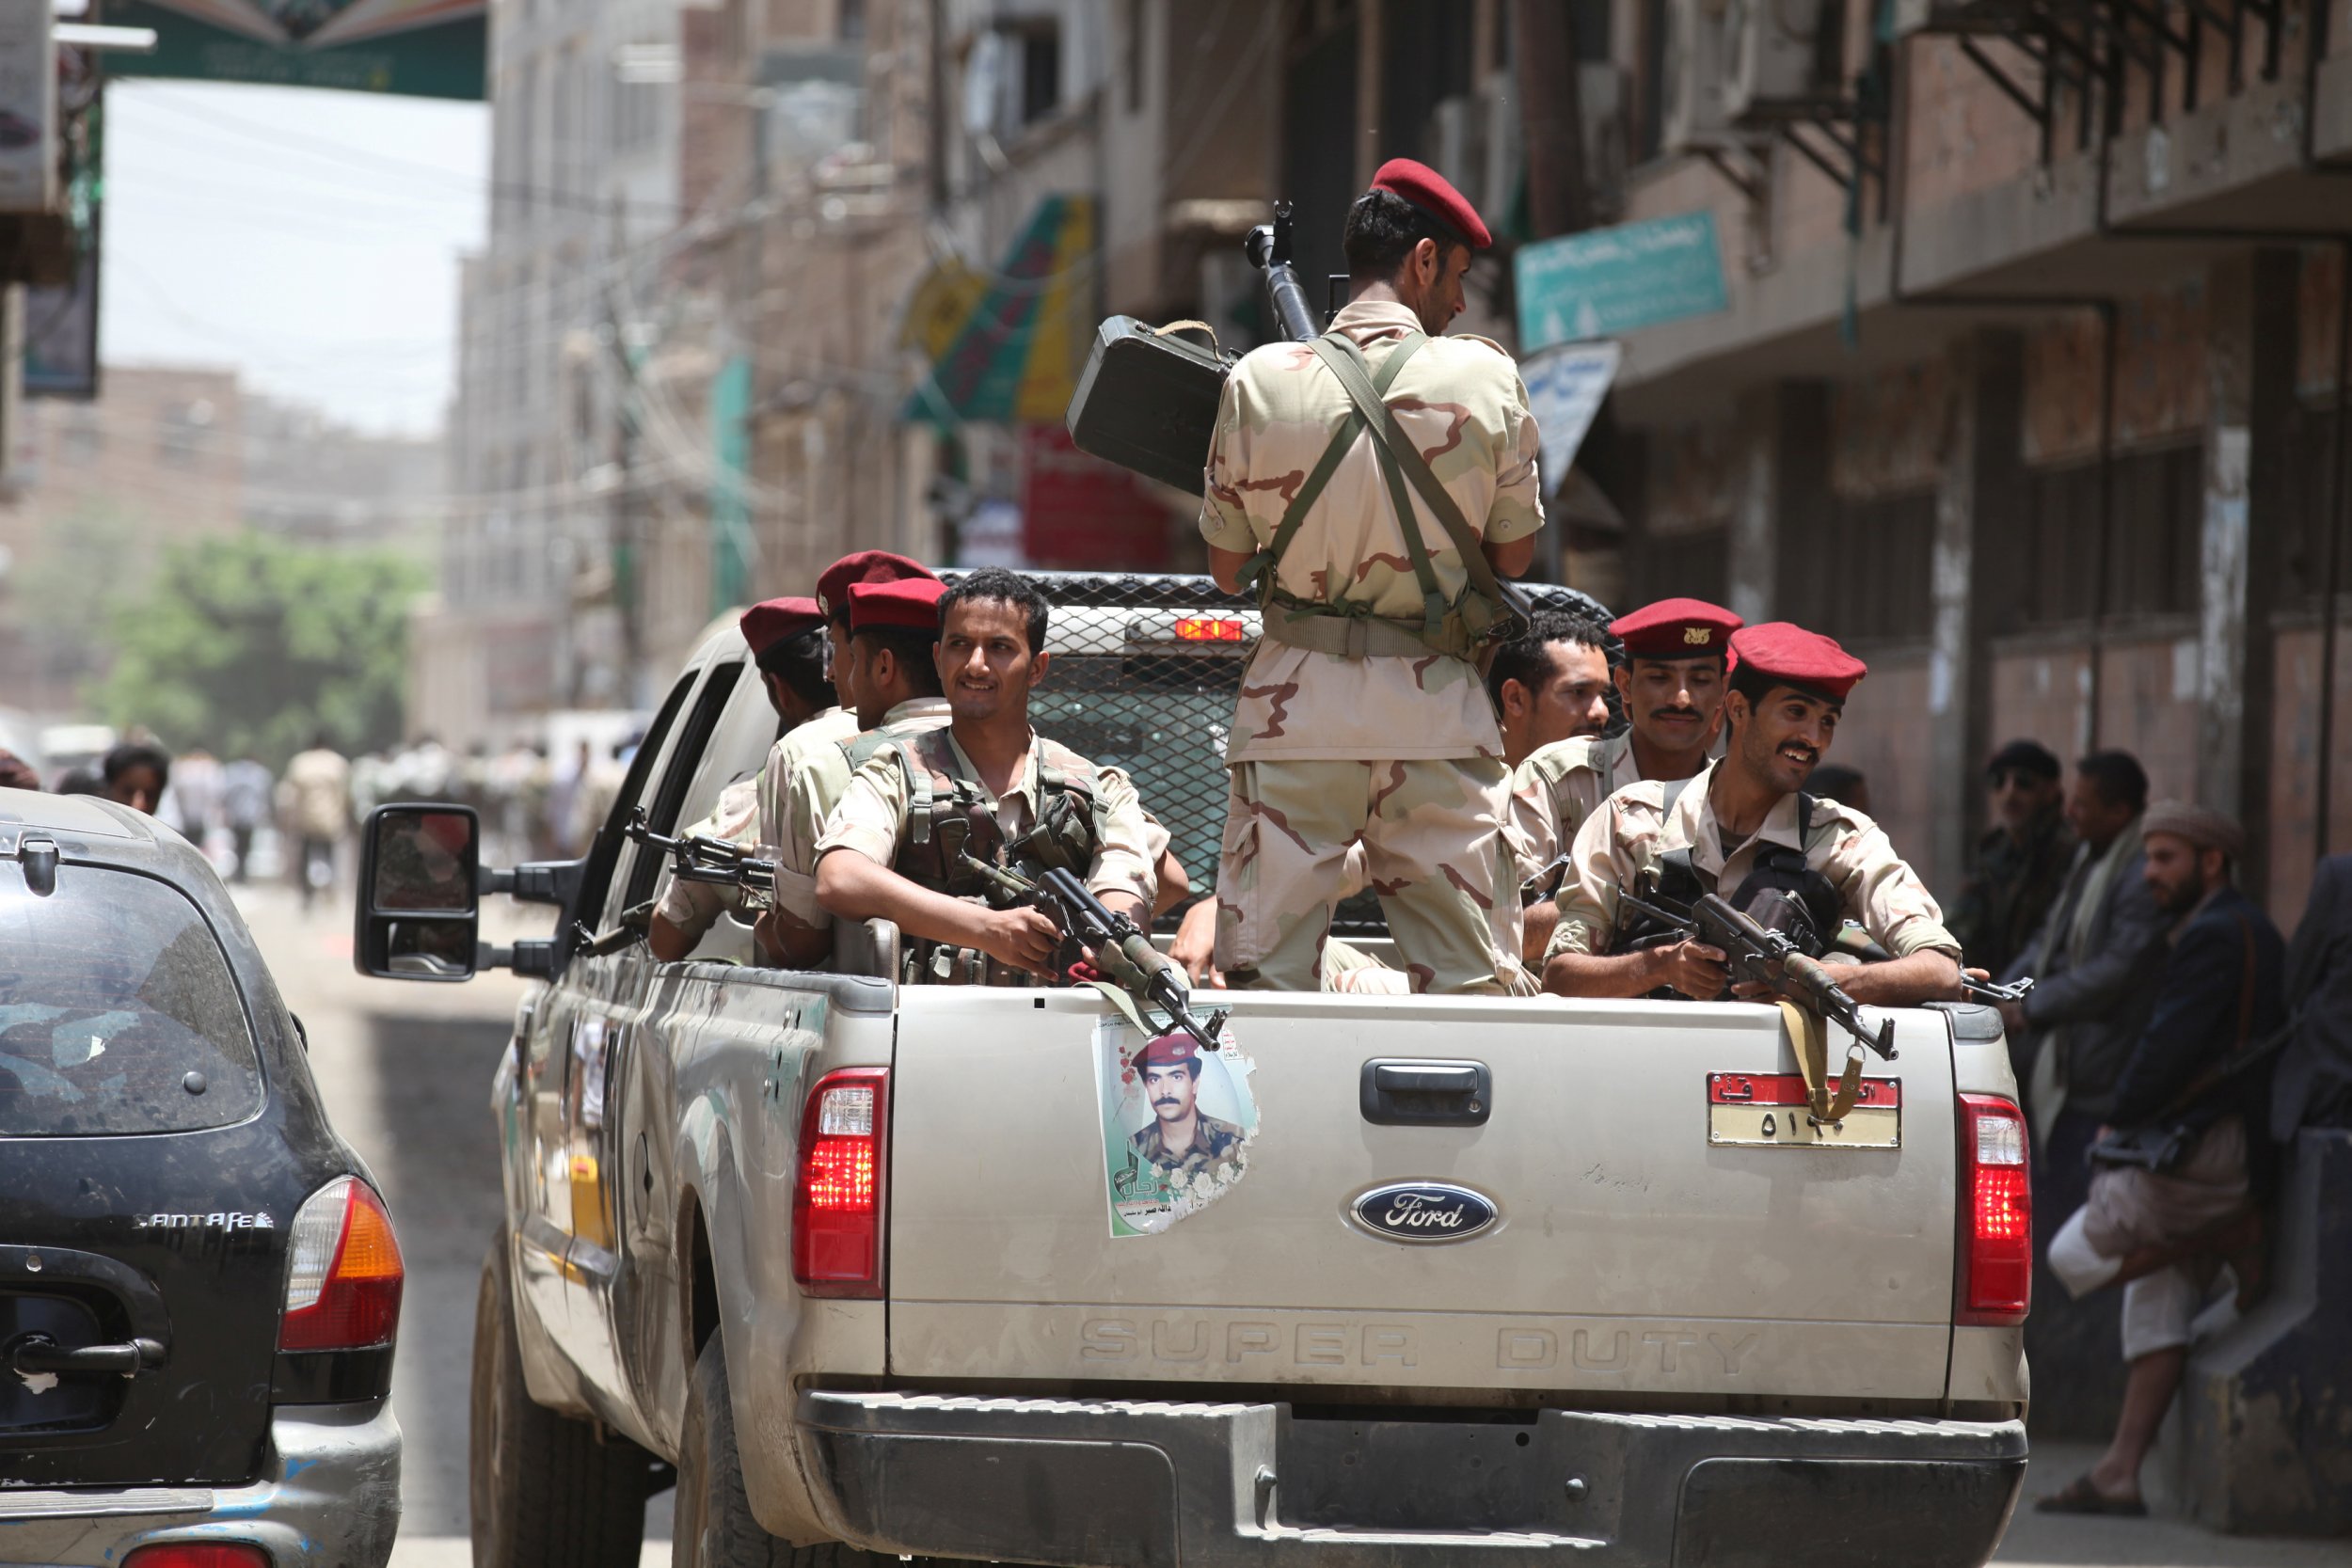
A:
<point x="1428" y="190"/>
<point x="1167" y="1051"/>
<point x="912" y="604"/>
<point x="1793" y="655"/>
<point x="1675" y="628"/>
<point x="767" y="624"/>
<point x="833" y="589"/>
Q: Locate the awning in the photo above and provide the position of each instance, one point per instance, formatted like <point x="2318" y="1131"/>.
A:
<point x="1016" y="358"/>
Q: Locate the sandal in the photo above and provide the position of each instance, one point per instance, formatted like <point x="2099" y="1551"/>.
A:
<point x="2080" y="1495"/>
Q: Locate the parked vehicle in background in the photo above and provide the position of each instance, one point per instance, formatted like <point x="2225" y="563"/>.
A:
<point x="199" y="1287"/>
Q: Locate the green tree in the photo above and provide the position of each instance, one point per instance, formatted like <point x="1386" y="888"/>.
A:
<point x="252" y="644"/>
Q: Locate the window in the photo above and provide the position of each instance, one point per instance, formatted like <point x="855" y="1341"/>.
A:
<point x="1867" y="576"/>
<point x="1040" y="71"/>
<point x="664" y="809"/>
<point x="187" y="434"/>
<point x="2157" y="517"/>
<point x="852" y="21"/>
<point x="117" y="1011"/>
<point x="2313" y="492"/>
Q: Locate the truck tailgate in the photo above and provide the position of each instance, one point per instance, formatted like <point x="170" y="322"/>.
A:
<point x="1629" y="1254"/>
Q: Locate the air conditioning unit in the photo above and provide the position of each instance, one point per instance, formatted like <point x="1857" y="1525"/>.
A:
<point x="1692" y="58"/>
<point x="1776" y="60"/>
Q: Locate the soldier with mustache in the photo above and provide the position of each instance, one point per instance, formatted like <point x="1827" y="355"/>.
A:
<point x="1744" y="826"/>
<point x="1672" y="686"/>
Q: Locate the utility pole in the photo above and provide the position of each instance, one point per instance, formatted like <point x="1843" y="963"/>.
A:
<point x="1552" y="127"/>
<point x="1552" y="117"/>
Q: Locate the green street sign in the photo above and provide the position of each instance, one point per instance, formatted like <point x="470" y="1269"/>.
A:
<point x="417" y="48"/>
<point x="1609" y="281"/>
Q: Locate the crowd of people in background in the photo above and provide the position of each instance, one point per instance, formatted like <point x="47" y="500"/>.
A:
<point x="253" y="823"/>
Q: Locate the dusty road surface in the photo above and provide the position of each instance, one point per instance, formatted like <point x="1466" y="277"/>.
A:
<point x="405" y="1069"/>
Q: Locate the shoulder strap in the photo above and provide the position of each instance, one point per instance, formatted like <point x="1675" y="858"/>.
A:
<point x="1264" y="562"/>
<point x="1347" y="362"/>
<point x="918" y="781"/>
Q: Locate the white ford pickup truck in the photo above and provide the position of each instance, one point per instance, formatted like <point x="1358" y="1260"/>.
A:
<point x="1493" y="1277"/>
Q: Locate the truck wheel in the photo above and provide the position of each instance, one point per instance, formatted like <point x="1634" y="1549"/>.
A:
<point x="711" y="1525"/>
<point x="546" y="1491"/>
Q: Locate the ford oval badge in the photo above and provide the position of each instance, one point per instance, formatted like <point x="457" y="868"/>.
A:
<point x="1424" y="1211"/>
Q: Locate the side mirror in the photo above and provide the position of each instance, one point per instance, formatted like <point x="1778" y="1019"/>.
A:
<point x="419" y="903"/>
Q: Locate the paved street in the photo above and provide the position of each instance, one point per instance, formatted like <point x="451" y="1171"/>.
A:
<point x="406" y="1070"/>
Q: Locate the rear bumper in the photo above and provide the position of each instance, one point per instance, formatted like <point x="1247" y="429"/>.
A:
<point x="329" y="1496"/>
<point x="1151" y="1485"/>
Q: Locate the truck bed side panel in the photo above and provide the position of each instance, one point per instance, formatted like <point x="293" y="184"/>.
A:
<point x="1630" y="1257"/>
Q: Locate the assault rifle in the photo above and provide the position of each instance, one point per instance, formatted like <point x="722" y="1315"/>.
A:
<point x="694" y="858"/>
<point x="1853" y="939"/>
<point x="1117" y="948"/>
<point x="1769" y="959"/>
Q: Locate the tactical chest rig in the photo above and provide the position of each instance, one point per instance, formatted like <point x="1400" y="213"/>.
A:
<point x="1781" y="892"/>
<point x="1481" y="613"/>
<point x="950" y="814"/>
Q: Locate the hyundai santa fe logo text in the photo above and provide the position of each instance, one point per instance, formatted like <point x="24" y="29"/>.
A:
<point x="1424" y="1211"/>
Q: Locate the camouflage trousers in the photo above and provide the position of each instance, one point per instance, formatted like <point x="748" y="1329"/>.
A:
<point x="1432" y="832"/>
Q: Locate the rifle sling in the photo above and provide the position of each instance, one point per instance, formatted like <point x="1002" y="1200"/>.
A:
<point x="1808" y="1036"/>
<point x="1347" y="362"/>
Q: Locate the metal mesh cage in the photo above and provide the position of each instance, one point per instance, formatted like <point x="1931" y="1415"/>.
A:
<point x="1145" y="672"/>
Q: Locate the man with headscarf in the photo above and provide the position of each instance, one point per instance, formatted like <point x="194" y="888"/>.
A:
<point x="2161" y="1228"/>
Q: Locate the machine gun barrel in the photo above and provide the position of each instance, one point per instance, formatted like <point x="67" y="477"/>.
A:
<point x="1987" y="991"/>
<point x="1268" y="247"/>
<point x="1768" y="958"/>
<point x="694" y="858"/>
<point x="1116" y="946"/>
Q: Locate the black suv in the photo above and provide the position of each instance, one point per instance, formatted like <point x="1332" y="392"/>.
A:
<point x="198" y="1285"/>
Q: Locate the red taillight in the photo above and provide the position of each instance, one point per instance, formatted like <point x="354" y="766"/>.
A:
<point x="197" y="1553"/>
<point x="1996" y="1282"/>
<point x="1202" y="628"/>
<point x="837" y="1200"/>
<point x="344" y="1272"/>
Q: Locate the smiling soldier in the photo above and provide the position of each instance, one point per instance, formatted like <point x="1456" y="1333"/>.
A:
<point x="900" y="844"/>
<point x="1744" y="824"/>
<point x="1182" y="1139"/>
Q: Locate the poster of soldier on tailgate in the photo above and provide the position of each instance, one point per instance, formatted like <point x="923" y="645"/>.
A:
<point x="1177" y="1124"/>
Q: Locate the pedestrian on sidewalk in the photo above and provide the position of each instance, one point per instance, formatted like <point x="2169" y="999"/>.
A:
<point x="2092" y="964"/>
<point x="246" y="788"/>
<point x="317" y="787"/>
<point x="2174" y="1196"/>
<point x="2021" y="862"/>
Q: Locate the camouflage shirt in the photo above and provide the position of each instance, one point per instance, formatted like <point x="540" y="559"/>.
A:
<point x="1634" y="826"/>
<point x="1461" y="400"/>
<point x="871" y="819"/>
<point x="1212" y="1140"/>
<point x="1558" y="786"/>
<point x="798" y="790"/>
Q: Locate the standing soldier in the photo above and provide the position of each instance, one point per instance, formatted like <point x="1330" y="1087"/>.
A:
<point x="896" y="846"/>
<point x="1368" y="487"/>
<point x="1672" y="685"/>
<point x="788" y="648"/>
<point x="1743" y="825"/>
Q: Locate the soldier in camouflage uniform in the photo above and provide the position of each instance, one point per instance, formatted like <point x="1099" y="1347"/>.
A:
<point x="1362" y="717"/>
<point x="892" y="849"/>
<point x="892" y="670"/>
<point x="1672" y="686"/>
<point x="782" y="635"/>
<point x="1182" y="1139"/>
<point x="1743" y="824"/>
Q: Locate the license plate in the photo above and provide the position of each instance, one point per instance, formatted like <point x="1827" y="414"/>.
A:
<point x="1768" y="1110"/>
